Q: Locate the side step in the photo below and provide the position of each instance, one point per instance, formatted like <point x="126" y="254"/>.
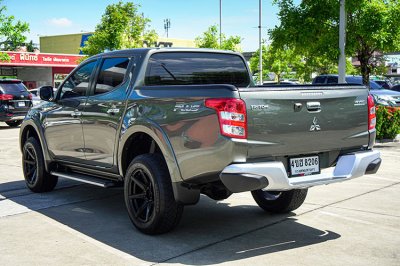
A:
<point x="85" y="179"/>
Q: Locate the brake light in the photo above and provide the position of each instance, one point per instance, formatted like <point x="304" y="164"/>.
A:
<point x="231" y="116"/>
<point x="6" y="97"/>
<point x="371" y="113"/>
<point x="30" y="96"/>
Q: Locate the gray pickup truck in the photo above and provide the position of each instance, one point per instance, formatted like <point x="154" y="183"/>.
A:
<point x="171" y="124"/>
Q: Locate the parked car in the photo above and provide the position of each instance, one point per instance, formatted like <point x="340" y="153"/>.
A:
<point x="36" y="97"/>
<point x="395" y="88"/>
<point x="172" y="124"/>
<point x="381" y="95"/>
<point x="386" y="84"/>
<point x="15" y="101"/>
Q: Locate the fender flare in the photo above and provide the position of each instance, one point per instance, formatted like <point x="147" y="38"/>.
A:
<point x="42" y="140"/>
<point x="158" y="135"/>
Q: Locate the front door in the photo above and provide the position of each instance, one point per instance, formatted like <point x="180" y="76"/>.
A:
<point x="63" y="124"/>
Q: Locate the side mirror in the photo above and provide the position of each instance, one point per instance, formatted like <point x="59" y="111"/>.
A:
<point x="46" y="93"/>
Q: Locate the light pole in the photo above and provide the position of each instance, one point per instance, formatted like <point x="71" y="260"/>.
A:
<point x="167" y="25"/>
<point x="260" y="68"/>
<point x="342" y="42"/>
<point x="220" y="24"/>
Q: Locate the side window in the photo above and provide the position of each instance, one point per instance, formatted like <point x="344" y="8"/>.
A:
<point x="111" y="74"/>
<point x="332" y="80"/>
<point x="77" y="84"/>
<point x="319" y="80"/>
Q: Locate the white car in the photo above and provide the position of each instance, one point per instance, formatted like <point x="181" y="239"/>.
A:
<point x="36" y="97"/>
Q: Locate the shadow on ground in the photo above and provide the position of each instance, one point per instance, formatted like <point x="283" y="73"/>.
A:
<point x="208" y="226"/>
<point x="5" y="126"/>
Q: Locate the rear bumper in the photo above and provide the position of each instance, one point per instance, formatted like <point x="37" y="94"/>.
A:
<point x="273" y="176"/>
<point x="11" y="117"/>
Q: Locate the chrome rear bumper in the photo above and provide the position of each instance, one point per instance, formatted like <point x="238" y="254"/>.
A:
<point x="273" y="176"/>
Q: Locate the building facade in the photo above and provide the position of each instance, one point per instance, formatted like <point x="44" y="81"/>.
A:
<point x="72" y="43"/>
<point x="38" y="69"/>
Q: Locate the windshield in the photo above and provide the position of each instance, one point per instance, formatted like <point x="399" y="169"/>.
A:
<point x="375" y="86"/>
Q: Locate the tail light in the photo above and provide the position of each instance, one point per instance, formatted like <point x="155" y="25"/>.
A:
<point x="231" y="116"/>
<point x="30" y="96"/>
<point x="6" y="97"/>
<point x="371" y="113"/>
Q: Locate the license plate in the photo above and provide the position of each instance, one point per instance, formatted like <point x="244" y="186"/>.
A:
<point x="21" y="104"/>
<point x="304" y="166"/>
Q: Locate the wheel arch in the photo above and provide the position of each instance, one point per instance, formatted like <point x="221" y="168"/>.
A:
<point x="183" y="194"/>
<point x="142" y="138"/>
<point x="30" y="129"/>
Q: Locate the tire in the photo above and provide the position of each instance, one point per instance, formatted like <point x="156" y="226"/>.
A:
<point x="148" y="194"/>
<point x="280" y="201"/>
<point x="14" y="123"/>
<point x="36" y="177"/>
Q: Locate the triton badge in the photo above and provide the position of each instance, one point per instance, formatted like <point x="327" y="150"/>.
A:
<point x="315" y="126"/>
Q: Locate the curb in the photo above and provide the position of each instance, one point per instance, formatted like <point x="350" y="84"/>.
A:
<point x="396" y="139"/>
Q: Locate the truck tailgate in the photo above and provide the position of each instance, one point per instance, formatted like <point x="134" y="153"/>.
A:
<point x="297" y="120"/>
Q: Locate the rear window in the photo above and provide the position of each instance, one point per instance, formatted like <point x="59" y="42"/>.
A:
<point x="12" y="87"/>
<point x="182" y="68"/>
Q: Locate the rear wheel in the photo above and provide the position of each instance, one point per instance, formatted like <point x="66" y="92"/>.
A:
<point x="279" y="201"/>
<point x="14" y="123"/>
<point x="149" y="197"/>
<point x="36" y="177"/>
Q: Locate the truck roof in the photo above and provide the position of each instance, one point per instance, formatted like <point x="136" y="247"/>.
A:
<point x="144" y="51"/>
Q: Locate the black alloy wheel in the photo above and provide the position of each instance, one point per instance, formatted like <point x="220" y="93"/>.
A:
<point x="141" y="196"/>
<point x="37" y="178"/>
<point x="30" y="164"/>
<point x="279" y="201"/>
<point x="149" y="197"/>
<point x="14" y="123"/>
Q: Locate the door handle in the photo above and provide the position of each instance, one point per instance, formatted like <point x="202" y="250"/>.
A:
<point x="314" y="107"/>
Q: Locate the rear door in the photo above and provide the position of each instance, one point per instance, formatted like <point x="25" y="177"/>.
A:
<point x="305" y="119"/>
<point x="103" y="111"/>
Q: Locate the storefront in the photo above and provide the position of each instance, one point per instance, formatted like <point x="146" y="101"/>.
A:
<point x="38" y="69"/>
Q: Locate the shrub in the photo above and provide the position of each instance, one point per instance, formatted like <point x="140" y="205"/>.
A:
<point x="387" y="122"/>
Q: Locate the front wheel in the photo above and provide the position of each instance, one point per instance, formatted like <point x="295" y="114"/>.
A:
<point x="36" y="177"/>
<point x="14" y="123"/>
<point x="279" y="201"/>
<point x="149" y="197"/>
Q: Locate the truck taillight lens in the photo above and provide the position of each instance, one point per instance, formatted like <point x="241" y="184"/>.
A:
<point x="371" y="113"/>
<point x="231" y="116"/>
<point x="6" y="97"/>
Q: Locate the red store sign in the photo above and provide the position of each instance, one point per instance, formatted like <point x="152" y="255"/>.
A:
<point x="49" y="60"/>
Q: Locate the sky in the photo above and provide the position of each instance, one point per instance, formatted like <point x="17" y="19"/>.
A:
<point x="189" y="18"/>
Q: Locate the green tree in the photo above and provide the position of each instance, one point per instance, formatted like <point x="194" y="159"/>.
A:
<point x="312" y="28"/>
<point x="121" y="27"/>
<point x="11" y="32"/>
<point x="254" y="62"/>
<point x="280" y="61"/>
<point x="4" y="57"/>
<point x="210" y="39"/>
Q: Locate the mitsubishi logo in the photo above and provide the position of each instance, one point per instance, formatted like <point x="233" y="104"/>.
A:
<point x="315" y="126"/>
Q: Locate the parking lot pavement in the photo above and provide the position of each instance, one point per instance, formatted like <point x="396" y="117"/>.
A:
<point x="351" y="223"/>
